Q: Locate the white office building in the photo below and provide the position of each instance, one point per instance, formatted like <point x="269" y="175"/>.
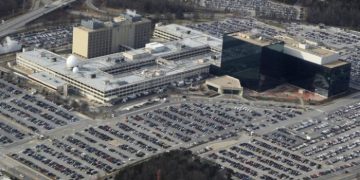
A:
<point x="122" y="76"/>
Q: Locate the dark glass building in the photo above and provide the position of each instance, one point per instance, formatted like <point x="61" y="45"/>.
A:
<point x="261" y="64"/>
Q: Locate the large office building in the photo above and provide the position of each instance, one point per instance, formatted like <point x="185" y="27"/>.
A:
<point x="95" y="38"/>
<point x="173" y="32"/>
<point x="121" y="76"/>
<point x="262" y="63"/>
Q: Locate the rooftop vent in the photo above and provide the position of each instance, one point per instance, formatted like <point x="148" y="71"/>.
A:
<point x="303" y="46"/>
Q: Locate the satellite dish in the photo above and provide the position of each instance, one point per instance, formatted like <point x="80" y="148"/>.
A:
<point x="75" y="70"/>
<point x="72" y="61"/>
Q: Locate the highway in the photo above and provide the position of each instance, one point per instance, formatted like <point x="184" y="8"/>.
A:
<point x="12" y="25"/>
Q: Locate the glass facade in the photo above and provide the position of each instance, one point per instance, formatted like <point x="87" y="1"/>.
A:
<point x="249" y="63"/>
<point x="264" y="67"/>
<point x="321" y="79"/>
<point x="242" y="61"/>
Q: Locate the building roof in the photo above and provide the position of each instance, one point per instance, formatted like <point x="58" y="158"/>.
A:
<point x="48" y="79"/>
<point x="92" y="24"/>
<point x="184" y="32"/>
<point x="179" y="30"/>
<point x="253" y="38"/>
<point x="225" y="82"/>
<point x="306" y="47"/>
<point x="88" y="29"/>
<point x="96" y="25"/>
<point x="335" y="64"/>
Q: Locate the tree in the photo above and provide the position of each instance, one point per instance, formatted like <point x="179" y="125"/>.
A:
<point x="174" y="165"/>
<point x="7" y="7"/>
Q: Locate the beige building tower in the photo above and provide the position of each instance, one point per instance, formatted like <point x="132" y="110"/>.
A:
<point x="96" y="38"/>
<point x="131" y="31"/>
<point x="91" y="39"/>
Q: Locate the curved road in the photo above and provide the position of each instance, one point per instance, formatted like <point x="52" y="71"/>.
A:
<point x="90" y="4"/>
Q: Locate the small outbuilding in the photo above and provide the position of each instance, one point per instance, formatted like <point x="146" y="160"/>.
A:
<point x="225" y="85"/>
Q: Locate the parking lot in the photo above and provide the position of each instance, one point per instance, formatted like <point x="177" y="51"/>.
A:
<point x="36" y="114"/>
<point x="269" y="140"/>
<point x="272" y="140"/>
<point x="218" y="28"/>
<point x="259" y="8"/>
<point x="23" y="115"/>
<point x="94" y="151"/>
<point x="354" y="59"/>
<point x="311" y="148"/>
<point x="331" y="138"/>
<point x="10" y="134"/>
<point x="257" y="159"/>
<point x="49" y="38"/>
<point x="101" y="149"/>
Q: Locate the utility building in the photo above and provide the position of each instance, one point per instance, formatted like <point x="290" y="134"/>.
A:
<point x="225" y="85"/>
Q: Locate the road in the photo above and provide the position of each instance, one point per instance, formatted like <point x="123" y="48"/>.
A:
<point x="89" y="4"/>
<point x="12" y="25"/>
